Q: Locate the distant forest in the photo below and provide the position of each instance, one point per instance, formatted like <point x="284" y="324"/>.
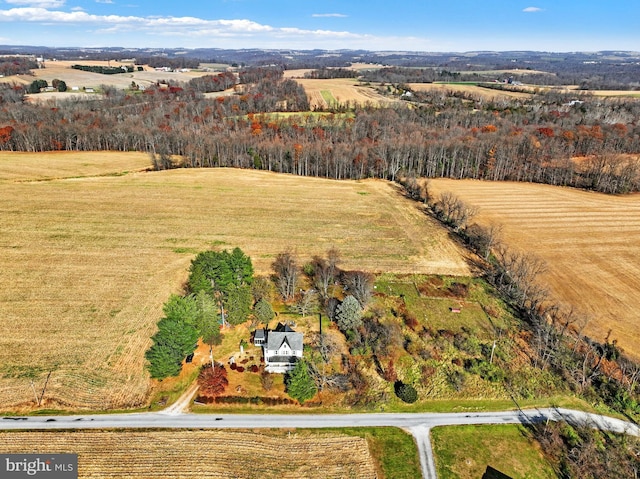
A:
<point x="549" y="137"/>
<point x="590" y="70"/>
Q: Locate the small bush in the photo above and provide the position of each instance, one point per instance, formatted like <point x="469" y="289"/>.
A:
<point x="456" y="379"/>
<point x="389" y="374"/>
<point x="406" y="392"/>
<point x="489" y="372"/>
<point x="266" y="380"/>
<point x="459" y="290"/>
<point x="411" y="321"/>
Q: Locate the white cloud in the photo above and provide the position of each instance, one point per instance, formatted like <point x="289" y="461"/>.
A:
<point x="532" y="9"/>
<point x="37" y="15"/>
<point x="104" y="1"/>
<point x="81" y="26"/>
<point x="38" y="3"/>
<point x="159" y="24"/>
<point x="324" y="15"/>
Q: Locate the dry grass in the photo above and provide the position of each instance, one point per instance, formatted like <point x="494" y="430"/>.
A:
<point x="484" y="93"/>
<point x="203" y="453"/>
<point x="343" y="90"/>
<point x="88" y="261"/>
<point x="21" y="166"/>
<point x="590" y="242"/>
<point x="300" y="72"/>
<point x="617" y="93"/>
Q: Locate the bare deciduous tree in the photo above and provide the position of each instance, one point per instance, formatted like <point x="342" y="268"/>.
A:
<point x="286" y="272"/>
<point x="306" y="301"/>
<point x="325" y="271"/>
<point x="360" y="285"/>
<point x="454" y="211"/>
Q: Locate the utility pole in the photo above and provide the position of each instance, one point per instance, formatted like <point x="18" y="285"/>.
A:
<point x="35" y="393"/>
<point x="493" y="348"/>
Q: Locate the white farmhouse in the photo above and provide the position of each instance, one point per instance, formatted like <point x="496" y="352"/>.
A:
<point x="282" y="348"/>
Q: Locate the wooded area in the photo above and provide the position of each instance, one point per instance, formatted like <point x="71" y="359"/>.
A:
<point x="549" y="137"/>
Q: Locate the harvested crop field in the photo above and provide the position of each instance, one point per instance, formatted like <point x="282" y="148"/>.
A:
<point x="485" y="93"/>
<point x="89" y="257"/>
<point x="202" y="453"/>
<point x="342" y="90"/>
<point x="77" y="78"/>
<point x="589" y="241"/>
<point x="21" y="166"/>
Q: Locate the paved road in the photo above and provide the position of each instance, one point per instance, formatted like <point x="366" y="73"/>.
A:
<point x="419" y="424"/>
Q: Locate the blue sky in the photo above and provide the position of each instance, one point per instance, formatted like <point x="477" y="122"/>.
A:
<point x="423" y="25"/>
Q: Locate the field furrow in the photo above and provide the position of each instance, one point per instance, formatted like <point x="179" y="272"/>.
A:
<point x="199" y="454"/>
<point x="589" y="241"/>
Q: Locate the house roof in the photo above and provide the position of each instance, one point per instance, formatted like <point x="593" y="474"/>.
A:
<point x="259" y="334"/>
<point x="283" y="328"/>
<point x="276" y="338"/>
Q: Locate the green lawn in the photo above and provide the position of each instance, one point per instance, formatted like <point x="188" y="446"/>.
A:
<point x="434" y="307"/>
<point x="328" y="97"/>
<point x="394" y="450"/>
<point x="463" y="452"/>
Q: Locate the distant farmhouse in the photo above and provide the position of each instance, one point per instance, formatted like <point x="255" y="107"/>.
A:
<point x="282" y="348"/>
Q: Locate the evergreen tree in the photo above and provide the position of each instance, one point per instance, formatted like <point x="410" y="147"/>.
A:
<point x="181" y="309"/>
<point x="198" y="280"/>
<point x="176" y="338"/>
<point x="349" y="314"/>
<point x="162" y="361"/>
<point x="238" y="304"/>
<point x="406" y="392"/>
<point x="37" y="85"/>
<point x="300" y="384"/>
<point x="220" y="271"/>
<point x="171" y="344"/>
<point x="241" y="267"/>
<point x="263" y="311"/>
<point x="208" y="318"/>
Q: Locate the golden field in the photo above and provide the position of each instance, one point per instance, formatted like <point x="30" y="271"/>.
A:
<point x="62" y="70"/>
<point x="202" y="453"/>
<point x="340" y="90"/>
<point x="589" y="241"/>
<point x="478" y="91"/>
<point x="90" y="254"/>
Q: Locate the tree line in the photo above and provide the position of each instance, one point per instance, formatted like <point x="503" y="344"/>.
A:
<point x="17" y="66"/>
<point x="105" y="70"/>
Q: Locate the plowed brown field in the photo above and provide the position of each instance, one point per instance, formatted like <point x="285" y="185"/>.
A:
<point x="202" y="454"/>
<point x="90" y="253"/>
<point x="590" y="242"/>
